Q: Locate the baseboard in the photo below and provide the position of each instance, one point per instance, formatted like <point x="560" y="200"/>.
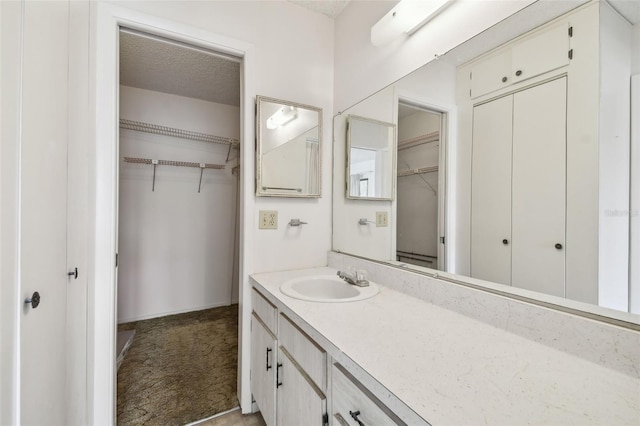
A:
<point x="176" y="312"/>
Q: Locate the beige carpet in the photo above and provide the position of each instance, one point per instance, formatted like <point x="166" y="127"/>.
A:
<point x="180" y="368"/>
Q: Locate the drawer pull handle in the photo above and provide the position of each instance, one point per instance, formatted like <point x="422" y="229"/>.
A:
<point x="354" y="415"/>
<point x="268" y="366"/>
<point x="278" y="382"/>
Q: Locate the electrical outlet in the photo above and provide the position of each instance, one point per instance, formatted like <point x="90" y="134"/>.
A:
<point x="268" y="219"/>
<point x="382" y="219"/>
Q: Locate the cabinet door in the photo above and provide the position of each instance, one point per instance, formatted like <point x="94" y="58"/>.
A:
<point x="491" y="191"/>
<point x="539" y="187"/>
<point x="263" y="367"/>
<point x="353" y="403"/>
<point x="491" y="74"/>
<point x="300" y="401"/>
<point x="541" y="53"/>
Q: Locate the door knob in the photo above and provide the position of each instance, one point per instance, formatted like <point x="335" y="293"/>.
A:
<point x="558" y="246"/>
<point x="505" y="241"/>
<point x="519" y="73"/>
<point x="504" y="79"/>
<point x="34" y="300"/>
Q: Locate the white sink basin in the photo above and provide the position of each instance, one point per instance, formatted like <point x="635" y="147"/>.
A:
<point x="326" y="288"/>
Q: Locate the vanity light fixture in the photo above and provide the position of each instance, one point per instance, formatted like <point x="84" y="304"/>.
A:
<point x="282" y="117"/>
<point x="408" y="16"/>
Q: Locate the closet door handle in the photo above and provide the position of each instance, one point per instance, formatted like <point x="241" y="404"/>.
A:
<point x="558" y="246"/>
<point x="268" y="366"/>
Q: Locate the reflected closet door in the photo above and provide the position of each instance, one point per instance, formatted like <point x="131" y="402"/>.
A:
<point x="539" y="188"/>
<point x="491" y="191"/>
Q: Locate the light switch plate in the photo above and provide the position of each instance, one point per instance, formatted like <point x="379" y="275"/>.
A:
<point x="382" y="219"/>
<point x="268" y="219"/>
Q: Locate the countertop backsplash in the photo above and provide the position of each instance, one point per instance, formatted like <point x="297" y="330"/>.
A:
<point x="606" y="344"/>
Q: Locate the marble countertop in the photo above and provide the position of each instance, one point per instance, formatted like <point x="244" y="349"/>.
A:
<point x="451" y="369"/>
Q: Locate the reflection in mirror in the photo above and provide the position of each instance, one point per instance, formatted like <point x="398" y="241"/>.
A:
<point x="288" y="149"/>
<point x="371" y="159"/>
<point x="541" y="179"/>
<point x="421" y="192"/>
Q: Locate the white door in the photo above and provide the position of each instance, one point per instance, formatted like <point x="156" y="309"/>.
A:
<point x="491" y="191"/>
<point x="263" y="368"/>
<point x="539" y="188"/>
<point x="43" y="213"/>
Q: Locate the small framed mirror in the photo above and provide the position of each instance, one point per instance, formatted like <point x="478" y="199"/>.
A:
<point x="289" y="150"/>
<point x="371" y="159"/>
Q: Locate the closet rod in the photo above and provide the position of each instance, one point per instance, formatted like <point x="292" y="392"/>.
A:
<point x="419" y="140"/>
<point x="418" y="171"/>
<point x="178" y="133"/>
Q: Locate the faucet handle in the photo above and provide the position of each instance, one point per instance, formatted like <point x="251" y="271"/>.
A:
<point x="361" y="275"/>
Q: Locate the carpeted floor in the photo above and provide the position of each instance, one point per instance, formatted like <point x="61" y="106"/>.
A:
<point x="180" y="368"/>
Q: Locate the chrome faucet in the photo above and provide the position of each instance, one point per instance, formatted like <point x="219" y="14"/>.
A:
<point x="358" y="280"/>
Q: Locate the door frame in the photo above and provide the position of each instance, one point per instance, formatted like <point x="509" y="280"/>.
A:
<point x="101" y="330"/>
<point x="446" y="177"/>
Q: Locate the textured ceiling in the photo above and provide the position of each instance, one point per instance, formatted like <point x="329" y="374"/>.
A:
<point x="151" y="64"/>
<point x="330" y="8"/>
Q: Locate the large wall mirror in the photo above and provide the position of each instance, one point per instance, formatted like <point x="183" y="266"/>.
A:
<point x="288" y="151"/>
<point x="516" y="165"/>
<point x="371" y="153"/>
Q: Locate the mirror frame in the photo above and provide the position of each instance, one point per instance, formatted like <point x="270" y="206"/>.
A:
<point x="394" y="157"/>
<point x="259" y="191"/>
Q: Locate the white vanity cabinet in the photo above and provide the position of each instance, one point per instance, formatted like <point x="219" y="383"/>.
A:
<point x="288" y="369"/>
<point x="264" y="359"/>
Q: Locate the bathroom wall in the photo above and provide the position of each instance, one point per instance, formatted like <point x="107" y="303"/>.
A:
<point x="293" y="61"/>
<point x="362" y="69"/>
<point x="176" y="246"/>
<point x="432" y="85"/>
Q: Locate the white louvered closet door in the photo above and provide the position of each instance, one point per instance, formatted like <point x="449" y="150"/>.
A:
<point x="539" y="188"/>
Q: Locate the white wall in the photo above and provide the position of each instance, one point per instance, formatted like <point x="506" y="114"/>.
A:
<point x="432" y="85"/>
<point x="614" y="116"/>
<point x="348" y="236"/>
<point x="11" y="23"/>
<point x="294" y="62"/>
<point x="362" y="69"/>
<point x="176" y="246"/>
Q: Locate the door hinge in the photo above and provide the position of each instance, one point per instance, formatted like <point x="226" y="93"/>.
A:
<point x="325" y="419"/>
<point x="470" y="76"/>
<point x="116" y="260"/>
<point x="571" y="54"/>
<point x="570" y="31"/>
<point x="441" y="240"/>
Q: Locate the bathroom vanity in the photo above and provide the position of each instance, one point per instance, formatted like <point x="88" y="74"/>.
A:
<point x="403" y="357"/>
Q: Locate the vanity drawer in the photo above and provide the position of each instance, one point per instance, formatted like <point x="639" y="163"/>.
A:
<point x="311" y="357"/>
<point x="265" y="310"/>
<point x="351" y="401"/>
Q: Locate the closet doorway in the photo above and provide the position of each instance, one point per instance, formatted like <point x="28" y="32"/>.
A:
<point x="420" y="182"/>
<point x="178" y="204"/>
